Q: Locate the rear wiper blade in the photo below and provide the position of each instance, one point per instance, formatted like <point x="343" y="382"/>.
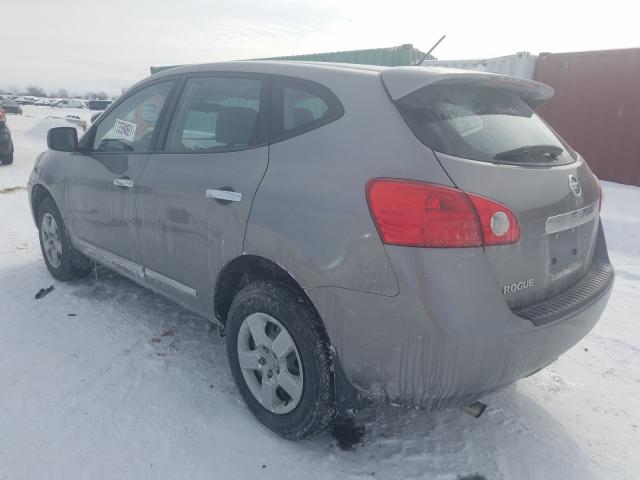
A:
<point x="530" y="150"/>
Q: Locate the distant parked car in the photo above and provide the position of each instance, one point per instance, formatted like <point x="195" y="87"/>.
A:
<point x="43" y="102"/>
<point x="99" y="104"/>
<point x="6" y="143"/>
<point x="10" y="106"/>
<point x="25" y="100"/>
<point x="70" y="103"/>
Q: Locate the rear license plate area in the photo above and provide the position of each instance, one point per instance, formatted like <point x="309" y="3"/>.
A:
<point x="566" y="252"/>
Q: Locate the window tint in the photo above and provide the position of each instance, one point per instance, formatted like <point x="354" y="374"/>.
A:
<point x="131" y="125"/>
<point x="481" y="123"/>
<point x="216" y="113"/>
<point x="301" y="105"/>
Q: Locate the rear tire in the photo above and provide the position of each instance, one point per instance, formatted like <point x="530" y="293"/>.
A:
<point x="7" y="159"/>
<point x="301" y="414"/>
<point x="63" y="261"/>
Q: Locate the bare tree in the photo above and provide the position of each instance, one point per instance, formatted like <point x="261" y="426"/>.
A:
<point x="61" y="93"/>
<point x="100" y="95"/>
<point x="36" y="91"/>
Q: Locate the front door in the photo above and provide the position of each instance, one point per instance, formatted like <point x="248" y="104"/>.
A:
<point x="101" y="183"/>
<point x="195" y="195"/>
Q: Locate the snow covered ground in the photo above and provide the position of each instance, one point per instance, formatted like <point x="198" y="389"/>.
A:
<point x="103" y="379"/>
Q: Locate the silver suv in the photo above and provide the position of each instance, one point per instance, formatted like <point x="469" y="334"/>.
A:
<point x="409" y="235"/>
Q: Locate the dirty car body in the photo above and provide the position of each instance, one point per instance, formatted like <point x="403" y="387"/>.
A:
<point x="448" y="240"/>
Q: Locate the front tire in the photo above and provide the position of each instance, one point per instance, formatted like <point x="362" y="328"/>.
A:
<point x="280" y="359"/>
<point x="7" y="159"/>
<point x="63" y="261"/>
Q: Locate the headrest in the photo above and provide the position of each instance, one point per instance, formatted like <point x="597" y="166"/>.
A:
<point x="236" y="125"/>
<point x="302" y="116"/>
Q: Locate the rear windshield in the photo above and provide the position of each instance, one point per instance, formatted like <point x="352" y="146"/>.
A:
<point x="482" y="123"/>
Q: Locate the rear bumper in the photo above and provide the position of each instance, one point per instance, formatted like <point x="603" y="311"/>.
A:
<point x="448" y="336"/>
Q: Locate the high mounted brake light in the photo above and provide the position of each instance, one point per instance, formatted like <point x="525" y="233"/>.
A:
<point x="420" y="214"/>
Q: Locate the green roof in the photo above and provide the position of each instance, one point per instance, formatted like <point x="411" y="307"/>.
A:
<point x="402" y="55"/>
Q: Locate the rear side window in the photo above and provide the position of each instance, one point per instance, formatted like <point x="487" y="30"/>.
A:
<point x="298" y="106"/>
<point x="482" y="123"/>
<point x="216" y="114"/>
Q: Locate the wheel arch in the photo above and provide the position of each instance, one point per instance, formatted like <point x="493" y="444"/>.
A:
<point x="246" y="269"/>
<point x="38" y="193"/>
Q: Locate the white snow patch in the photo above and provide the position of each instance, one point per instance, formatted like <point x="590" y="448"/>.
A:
<point x="41" y="128"/>
<point x="29" y="132"/>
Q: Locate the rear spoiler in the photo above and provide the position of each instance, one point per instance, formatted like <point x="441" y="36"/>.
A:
<point x="401" y="81"/>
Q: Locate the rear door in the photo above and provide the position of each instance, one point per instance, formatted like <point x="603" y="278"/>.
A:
<point x="491" y="143"/>
<point x="195" y="195"/>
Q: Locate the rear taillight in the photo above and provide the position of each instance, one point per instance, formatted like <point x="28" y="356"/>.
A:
<point x="499" y="224"/>
<point x="421" y="214"/>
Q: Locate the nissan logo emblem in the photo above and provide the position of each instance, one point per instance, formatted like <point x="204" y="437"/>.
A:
<point x="574" y="185"/>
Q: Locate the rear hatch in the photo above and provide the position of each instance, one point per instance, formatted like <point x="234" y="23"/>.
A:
<point x="487" y="137"/>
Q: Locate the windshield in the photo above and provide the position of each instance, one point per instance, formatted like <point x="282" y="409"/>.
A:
<point x="482" y="123"/>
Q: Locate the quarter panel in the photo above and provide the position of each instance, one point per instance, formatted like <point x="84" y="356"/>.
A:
<point x="448" y="336"/>
<point x="310" y="214"/>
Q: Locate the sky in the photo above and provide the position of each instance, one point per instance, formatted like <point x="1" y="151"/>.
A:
<point x="83" y="45"/>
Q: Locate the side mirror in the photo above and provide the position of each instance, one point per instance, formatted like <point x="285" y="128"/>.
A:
<point x="62" y="139"/>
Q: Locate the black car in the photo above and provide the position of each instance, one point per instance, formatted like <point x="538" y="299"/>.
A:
<point x="10" y="106"/>
<point x="6" y="145"/>
<point x="98" y="104"/>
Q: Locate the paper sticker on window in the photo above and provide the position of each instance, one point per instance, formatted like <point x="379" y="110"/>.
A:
<point x="124" y="130"/>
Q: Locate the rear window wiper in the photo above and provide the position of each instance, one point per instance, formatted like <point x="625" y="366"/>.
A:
<point x="551" y="151"/>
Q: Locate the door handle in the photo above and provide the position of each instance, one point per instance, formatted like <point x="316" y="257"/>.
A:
<point x="226" y="195"/>
<point x="123" y="182"/>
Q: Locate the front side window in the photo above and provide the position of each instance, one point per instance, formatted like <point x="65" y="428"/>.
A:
<point x="216" y="114"/>
<point x="482" y="123"/>
<point x="301" y="105"/>
<point x="131" y="125"/>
